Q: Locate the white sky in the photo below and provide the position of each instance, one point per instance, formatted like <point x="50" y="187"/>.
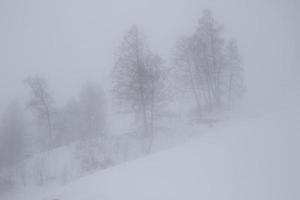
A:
<point x="72" y="41"/>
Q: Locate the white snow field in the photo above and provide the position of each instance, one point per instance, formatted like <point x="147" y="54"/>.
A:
<point x="254" y="159"/>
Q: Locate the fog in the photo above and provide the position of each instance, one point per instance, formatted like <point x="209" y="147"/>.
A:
<point x="88" y="85"/>
<point x="70" y="42"/>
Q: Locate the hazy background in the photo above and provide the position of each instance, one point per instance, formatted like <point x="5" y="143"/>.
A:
<point x="71" y="41"/>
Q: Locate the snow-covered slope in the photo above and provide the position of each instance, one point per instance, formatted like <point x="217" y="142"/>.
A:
<point x="256" y="159"/>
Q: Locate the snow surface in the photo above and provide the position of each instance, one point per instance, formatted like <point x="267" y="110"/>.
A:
<point x="253" y="159"/>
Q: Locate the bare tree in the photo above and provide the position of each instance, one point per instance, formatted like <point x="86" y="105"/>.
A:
<point x="212" y="40"/>
<point x="201" y="63"/>
<point x="12" y="141"/>
<point x="235" y="87"/>
<point x="41" y="103"/>
<point x="187" y="72"/>
<point x="157" y="91"/>
<point x="138" y="79"/>
<point x="93" y="132"/>
<point x="69" y="123"/>
<point x="83" y="119"/>
<point x="93" y="110"/>
<point x="12" y="144"/>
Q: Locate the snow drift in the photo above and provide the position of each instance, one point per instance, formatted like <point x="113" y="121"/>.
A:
<point x="257" y="158"/>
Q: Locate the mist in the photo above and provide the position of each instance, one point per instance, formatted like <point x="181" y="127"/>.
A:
<point x="72" y="50"/>
<point x="72" y="42"/>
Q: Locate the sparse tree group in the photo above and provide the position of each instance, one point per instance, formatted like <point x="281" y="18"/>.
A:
<point x="206" y="66"/>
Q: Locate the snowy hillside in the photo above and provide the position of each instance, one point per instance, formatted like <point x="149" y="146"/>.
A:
<point x="254" y="159"/>
<point x="142" y="100"/>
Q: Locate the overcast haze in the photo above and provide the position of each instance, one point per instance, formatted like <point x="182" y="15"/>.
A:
<point x="69" y="42"/>
<point x="149" y="99"/>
